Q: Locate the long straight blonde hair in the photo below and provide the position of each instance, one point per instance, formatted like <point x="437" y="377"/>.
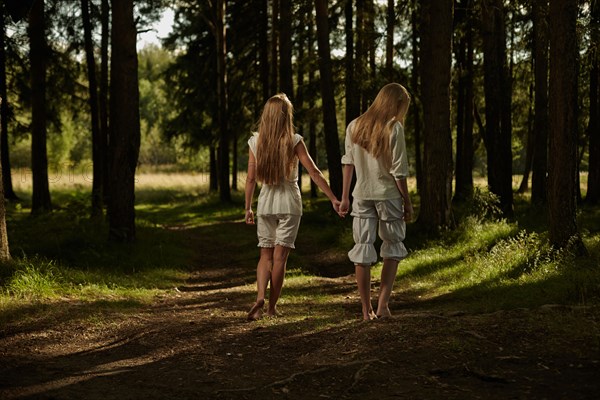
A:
<point x="275" y="146"/>
<point x="373" y="128"/>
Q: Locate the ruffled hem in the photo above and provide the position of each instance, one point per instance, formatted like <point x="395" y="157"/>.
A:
<point x="394" y="251"/>
<point x="363" y="253"/>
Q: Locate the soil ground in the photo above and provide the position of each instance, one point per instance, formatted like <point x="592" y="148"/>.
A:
<point x="196" y="344"/>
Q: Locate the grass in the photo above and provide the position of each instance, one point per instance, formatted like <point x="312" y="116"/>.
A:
<point x="485" y="264"/>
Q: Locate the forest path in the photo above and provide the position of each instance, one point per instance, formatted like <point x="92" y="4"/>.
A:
<point x="196" y="344"/>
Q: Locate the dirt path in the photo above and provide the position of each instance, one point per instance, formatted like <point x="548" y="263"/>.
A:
<point x="195" y="344"/>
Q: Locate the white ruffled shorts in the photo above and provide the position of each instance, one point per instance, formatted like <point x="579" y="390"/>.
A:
<point x="389" y="215"/>
<point x="277" y="229"/>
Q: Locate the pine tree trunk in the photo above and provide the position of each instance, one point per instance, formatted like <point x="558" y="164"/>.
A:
<point x="274" y="46"/>
<point x="93" y="101"/>
<point x="223" y="156"/>
<point x="562" y="171"/>
<point x="593" y="188"/>
<point x="352" y="94"/>
<point x="4" y="250"/>
<point x="389" y="40"/>
<point x="416" y="101"/>
<point x="497" y="116"/>
<point x="124" y="123"/>
<point x="436" y="44"/>
<point x="312" y="125"/>
<point x="9" y="192"/>
<point x="103" y="97"/>
<point x="332" y="143"/>
<point x="39" y="157"/>
<point x="213" y="180"/>
<point x="263" y="43"/>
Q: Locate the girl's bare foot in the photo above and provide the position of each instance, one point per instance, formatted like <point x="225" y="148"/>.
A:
<point x="272" y="312"/>
<point x="384" y="313"/>
<point x="370" y="315"/>
<point x="256" y="311"/>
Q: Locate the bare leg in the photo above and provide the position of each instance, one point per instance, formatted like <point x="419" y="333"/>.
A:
<point x="280" y="256"/>
<point x="388" y="276"/>
<point x="363" y="281"/>
<point x="263" y="274"/>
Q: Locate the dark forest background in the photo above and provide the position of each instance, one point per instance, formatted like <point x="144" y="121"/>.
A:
<point x="506" y="92"/>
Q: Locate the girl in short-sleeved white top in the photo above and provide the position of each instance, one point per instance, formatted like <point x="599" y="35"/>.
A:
<point x="376" y="150"/>
<point x="273" y="161"/>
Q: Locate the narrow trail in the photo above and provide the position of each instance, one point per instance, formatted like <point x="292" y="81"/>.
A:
<point x="194" y="343"/>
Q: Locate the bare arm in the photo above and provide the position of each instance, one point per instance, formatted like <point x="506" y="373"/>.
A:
<point x="250" y="186"/>
<point x="315" y="173"/>
<point x="408" y="208"/>
<point x="348" y="172"/>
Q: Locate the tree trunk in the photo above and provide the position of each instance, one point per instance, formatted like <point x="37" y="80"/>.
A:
<point x="124" y="123"/>
<point x="103" y="98"/>
<point x="93" y="101"/>
<point x="285" y="49"/>
<point x="39" y="158"/>
<point x="332" y="143"/>
<point x="389" y="40"/>
<point x="593" y="188"/>
<point x="436" y="44"/>
<point x="312" y="125"/>
<point x="9" y="192"/>
<point x="496" y="88"/>
<point x="352" y="94"/>
<point x="220" y="36"/>
<point x="4" y="250"/>
<point x="464" y="163"/>
<point x="274" y="46"/>
<point x="263" y="43"/>
<point x="540" y="121"/>
<point x="416" y="103"/>
<point x="213" y="180"/>
<point x="360" y="59"/>
<point x="524" y="186"/>
<point x="562" y="171"/>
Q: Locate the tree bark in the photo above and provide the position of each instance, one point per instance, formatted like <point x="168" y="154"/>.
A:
<point x="41" y="202"/>
<point x="4" y="250"/>
<point x="223" y="157"/>
<point x="593" y="188"/>
<point x="329" y="115"/>
<point x="416" y="101"/>
<point x="285" y="49"/>
<point x="103" y="97"/>
<point x="389" y="40"/>
<point x="464" y="161"/>
<point x="540" y="121"/>
<point x="9" y="192"/>
<point x="312" y="125"/>
<point x="97" y="188"/>
<point x="352" y="94"/>
<point x="263" y="42"/>
<point x="562" y="171"/>
<point x="436" y="44"/>
<point x="497" y="89"/>
<point x="274" y="45"/>
<point x="124" y="123"/>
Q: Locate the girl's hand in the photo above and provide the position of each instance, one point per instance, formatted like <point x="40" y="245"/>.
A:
<point x="336" y="205"/>
<point x="344" y="207"/>
<point x="249" y="217"/>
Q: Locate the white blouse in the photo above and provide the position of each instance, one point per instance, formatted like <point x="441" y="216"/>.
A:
<point x="373" y="180"/>
<point x="283" y="198"/>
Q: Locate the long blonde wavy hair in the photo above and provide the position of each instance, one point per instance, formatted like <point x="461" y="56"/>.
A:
<point x="275" y="145"/>
<point x="373" y="128"/>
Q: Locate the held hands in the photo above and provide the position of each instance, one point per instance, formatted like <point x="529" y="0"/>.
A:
<point x="249" y="217"/>
<point x="344" y="207"/>
<point x="336" y="205"/>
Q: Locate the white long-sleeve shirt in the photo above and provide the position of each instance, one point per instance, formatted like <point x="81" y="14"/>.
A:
<point x="373" y="180"/>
